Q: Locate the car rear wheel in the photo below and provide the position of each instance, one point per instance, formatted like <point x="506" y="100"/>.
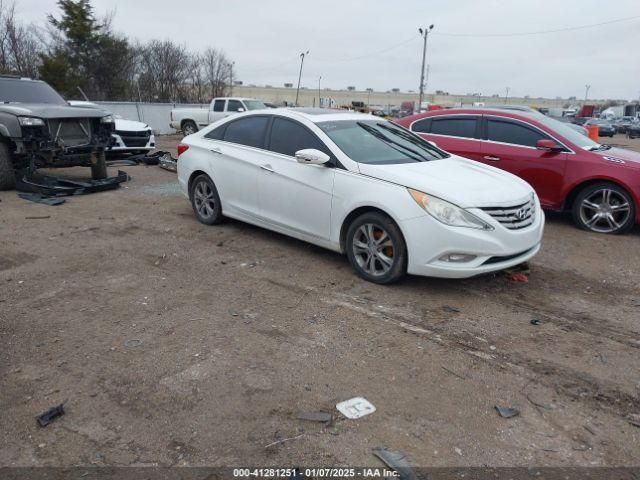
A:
<point x="7" y="172"/>
<point x="376" y="248"/>
<point x="205" y="200"/>
<point x="604" y="208"/>
<point x="189" y="128"/>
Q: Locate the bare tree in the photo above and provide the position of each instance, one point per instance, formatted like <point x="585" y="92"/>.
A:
<point x="164" y="69"/>
<point x="217" y="68"/>
<point x="20" y="46"/>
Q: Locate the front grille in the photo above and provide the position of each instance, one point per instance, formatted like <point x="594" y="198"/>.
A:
<point x="514" y="218"/>
<point x="70" y="132"/>
<point x="134" y="139"/>
<point x="492" y="260"/>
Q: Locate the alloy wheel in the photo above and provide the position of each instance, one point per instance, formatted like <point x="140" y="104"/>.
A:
<point x="188" y="129"/>
<point x="373" y="249"/>
<point x="204" y="199"/>
<point x="605" y="211"/>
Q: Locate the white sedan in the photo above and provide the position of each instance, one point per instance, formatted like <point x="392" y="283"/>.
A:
<point x="357" y="184"/>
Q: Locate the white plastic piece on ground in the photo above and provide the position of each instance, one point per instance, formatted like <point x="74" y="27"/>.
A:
<point x="355" y="407"/>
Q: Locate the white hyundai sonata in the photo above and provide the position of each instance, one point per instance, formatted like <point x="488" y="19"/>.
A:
<point x="360" y="185"/>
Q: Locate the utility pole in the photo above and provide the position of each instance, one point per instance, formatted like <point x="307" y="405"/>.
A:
<point x="231" y="78"/>
<point x="302" y="55"/>
<point x="319" y="78"/>
<point x="506" y="97"/>
<point x="424" y="34"/>
<point x="586" y="92"/>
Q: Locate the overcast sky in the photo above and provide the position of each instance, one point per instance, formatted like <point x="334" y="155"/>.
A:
<point x="347" y="41"/>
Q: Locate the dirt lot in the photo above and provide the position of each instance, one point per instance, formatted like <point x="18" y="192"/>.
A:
<point x="174" y="343"/>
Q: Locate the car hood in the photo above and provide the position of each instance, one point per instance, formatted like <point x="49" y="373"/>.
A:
<point x="616" y="154"/>
<point x="460" y="181"/>
<point x="45" y="110"/>
<point x="131" y="125"/>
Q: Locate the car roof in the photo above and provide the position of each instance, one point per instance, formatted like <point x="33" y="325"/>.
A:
<point x="503" y="112"/>
<point x="315" y="115"/>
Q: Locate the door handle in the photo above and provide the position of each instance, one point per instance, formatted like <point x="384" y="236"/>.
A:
<point x="267" y="167"/>
<point x="215" y="150"/>
<point x="492" y="158"/>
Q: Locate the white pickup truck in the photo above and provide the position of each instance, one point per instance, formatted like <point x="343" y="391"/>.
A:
<point x="190" y="120"/>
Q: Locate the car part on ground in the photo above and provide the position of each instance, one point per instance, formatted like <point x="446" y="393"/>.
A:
<point x="48" y="186"/>
<point x="39" y="129"/>
<point x="364" y="187"/>
<point x="550" y="155"/>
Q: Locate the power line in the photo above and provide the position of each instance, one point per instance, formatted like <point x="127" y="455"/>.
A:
<point x="367" y="55"/>
<point x="540" y="32"/>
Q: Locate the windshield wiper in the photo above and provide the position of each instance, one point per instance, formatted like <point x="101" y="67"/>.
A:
<point x="415" y="155"/>
<point x="406" y="135"/>
<point x="600" y="147"/>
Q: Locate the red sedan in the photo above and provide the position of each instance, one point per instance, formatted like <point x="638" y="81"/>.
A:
<point x="599" y="184"/>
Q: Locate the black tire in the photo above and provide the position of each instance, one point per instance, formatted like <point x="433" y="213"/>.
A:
<point x="99" y="169"/>
<point x="189" y="128"/>
<point x="7" y="172"/>
<point x="205" y="200"/>
<point x="614" y="218"/>
<point x="379" y="251"/>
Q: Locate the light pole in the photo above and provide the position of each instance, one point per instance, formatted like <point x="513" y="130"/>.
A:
<point x="319" y="78"/>
<point x="586" y="92"/>
<point x="302" y="55"/>
<point x="506" y="97"/>
<point x="231" y="64"/>
<point x="425" y="34"/>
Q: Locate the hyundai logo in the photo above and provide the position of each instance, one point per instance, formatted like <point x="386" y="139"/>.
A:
<point x="522" y="214"/>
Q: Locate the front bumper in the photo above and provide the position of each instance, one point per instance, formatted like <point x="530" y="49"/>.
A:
<point x="122" y="143"/>
<point x="428" y="241"/>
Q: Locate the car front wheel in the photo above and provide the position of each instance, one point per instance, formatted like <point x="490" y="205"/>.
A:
<point x="376" y="248"/>
<point x="604" y="208"/>
<point x="205" y="200"/>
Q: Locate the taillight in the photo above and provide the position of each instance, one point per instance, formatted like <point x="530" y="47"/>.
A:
<point x="182" y="147"/>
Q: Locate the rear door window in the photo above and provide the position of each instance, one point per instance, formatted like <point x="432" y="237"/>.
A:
<point x="247" y="131"/>
<point x="506" y="131"/>
<point x="464" y="127"/>
<point x="288" y="136"/>
<point x="218" y="105"/>
<point x="421" y="126"/>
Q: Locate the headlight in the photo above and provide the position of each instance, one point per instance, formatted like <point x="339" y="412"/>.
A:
<point x="107" y="119"/>
<point x="31" y="121"/>
<point x="448" y="213"/>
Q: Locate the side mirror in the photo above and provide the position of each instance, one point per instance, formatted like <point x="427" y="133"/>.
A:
<point x="548" y="145"/>
<point x="312" y="156"/>
<point x="240" y="110"/>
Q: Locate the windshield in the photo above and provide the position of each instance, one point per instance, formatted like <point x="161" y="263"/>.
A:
<point x="254" y="104"/>
<point x="27" y="91"/>
<point x="567" y="132"/>
<point x="379" y="143"/>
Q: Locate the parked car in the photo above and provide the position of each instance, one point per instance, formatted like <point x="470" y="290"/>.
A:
<point x="580" y="120"/>
<point x="622" y="123"/>
<point x="633" y="130"/>
<point x="190" y="120"/>
<point x="38" y="128"/>
<point x="129" y="136"/>
<point x="361" y="185"/>
<point x="605" y="128"/>
<point x="598" y="183"/>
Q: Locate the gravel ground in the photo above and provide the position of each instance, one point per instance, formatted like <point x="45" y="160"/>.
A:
<point x="174" y="343"/>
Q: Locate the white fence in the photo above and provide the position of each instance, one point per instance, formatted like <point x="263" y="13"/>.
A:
<point x="156" y="115"/>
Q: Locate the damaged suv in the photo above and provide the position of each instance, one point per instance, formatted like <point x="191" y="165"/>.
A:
<point x="38" y="129"/>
